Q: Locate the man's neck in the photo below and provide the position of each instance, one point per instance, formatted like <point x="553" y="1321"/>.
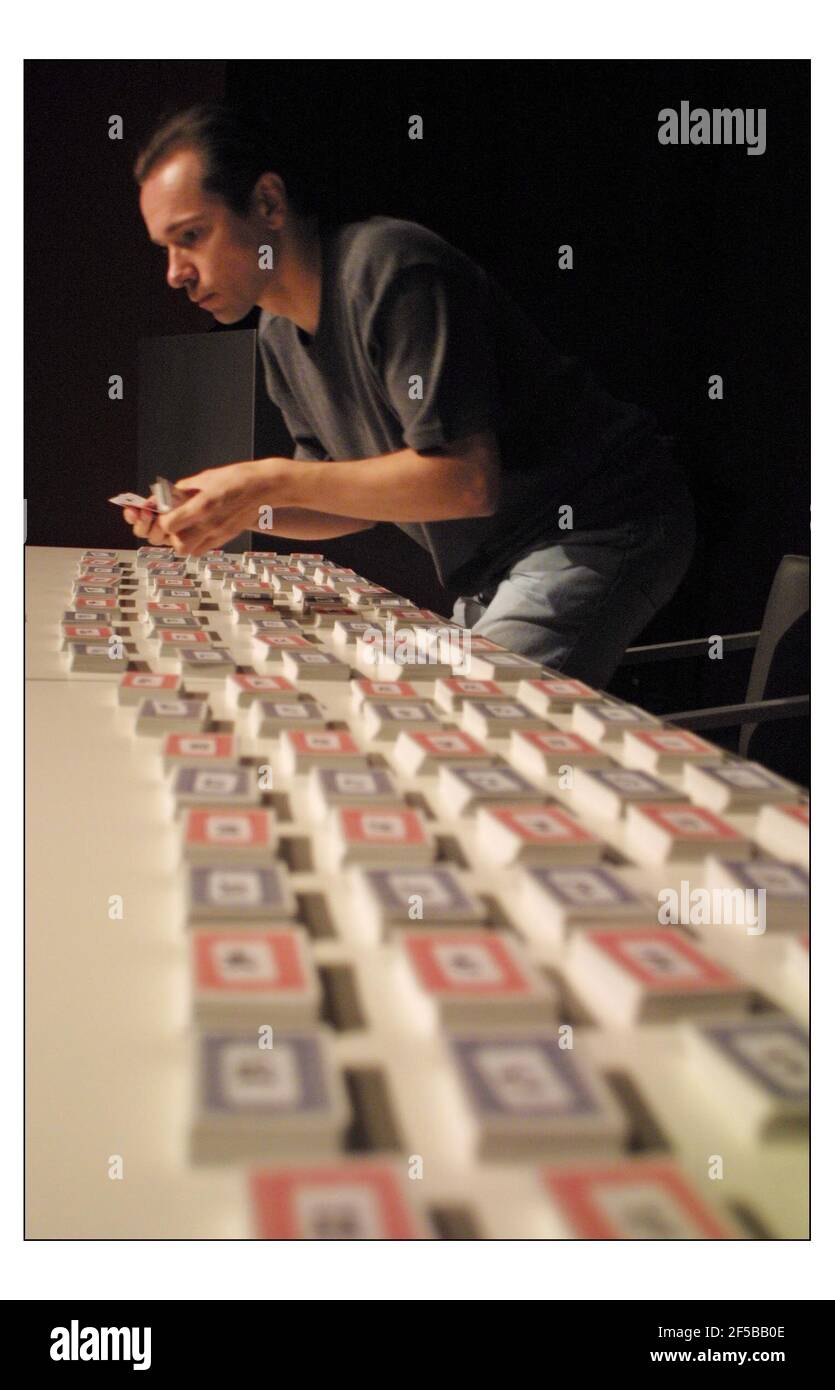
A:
<point x="295" y="286"/>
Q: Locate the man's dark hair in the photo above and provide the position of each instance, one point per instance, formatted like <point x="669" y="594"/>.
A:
<point x="236" y="150"/>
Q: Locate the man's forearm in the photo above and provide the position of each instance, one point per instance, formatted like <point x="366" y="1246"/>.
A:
<point x="299" y="524"/>
<point x="403" y="486"/>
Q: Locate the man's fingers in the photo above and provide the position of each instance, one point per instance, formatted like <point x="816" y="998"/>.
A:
<point x="184" y="517"/>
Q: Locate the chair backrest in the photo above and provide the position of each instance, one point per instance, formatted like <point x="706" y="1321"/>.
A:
<point x="780" y="665"/>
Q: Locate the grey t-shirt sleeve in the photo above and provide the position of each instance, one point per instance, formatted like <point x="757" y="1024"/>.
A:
<point x="432" y="348"/>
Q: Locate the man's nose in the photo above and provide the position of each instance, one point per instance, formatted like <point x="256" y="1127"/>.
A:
<point x="180" y="271"/>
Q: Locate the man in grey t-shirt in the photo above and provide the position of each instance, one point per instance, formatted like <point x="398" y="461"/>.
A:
<point x="416" y="392"/>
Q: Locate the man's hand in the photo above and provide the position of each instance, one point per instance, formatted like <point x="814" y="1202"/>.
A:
<point x="222" y="503"/>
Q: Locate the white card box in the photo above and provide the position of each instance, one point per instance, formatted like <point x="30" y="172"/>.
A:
<point x="556" y="901"/>
<point x="379" y="835"/>
<point x="499" y="718"/>
<point x="608" y="723"/>
<point x="238" y="836"/>
<point x="315" y="666"/>
<point x="234" y="894"/>
<point x="365" y="786"/>
<point x="650" y="974"/>
<point x="507" y="668"/>
<point x="607" y="792"/>
<point x="737" y="786"/>
<point x="412" y="896"/>
<point x="553" y="753"/>
<point x="213" y="786"/>
<point x="783" y="830"/>
<point x="245" y="979"/>
<point x="97" y="657"/>
<point x="242" y="690"/>
<point x="136" y="686"/>
<point x="418" y="753"/>
<point x="785" y="888"/>
<point x="453" y="692"/>
<point x="387" y="721"/>
<point x="534" y="835"/>
<point x="527" y="1098"/>
<point x="752" y="1073"/>
<point x="300" y="750"/>
<point x="555" y="695"/>
<point x="271" y="718"/>
<point x="462" y="788"/>
<point x="257" y="1103"/>
<point x="667" y="750"/>
<point x="678" y="830"/>
<point x="168" y="715"/>
<point x="470" y="978"/>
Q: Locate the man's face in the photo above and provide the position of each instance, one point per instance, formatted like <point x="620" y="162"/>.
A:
<point x="212" y="252"/>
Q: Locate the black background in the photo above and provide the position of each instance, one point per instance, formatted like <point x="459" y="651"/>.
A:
<point x="688" y="261"/>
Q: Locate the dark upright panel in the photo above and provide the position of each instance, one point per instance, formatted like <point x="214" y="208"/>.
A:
<point x="196" y="406"/>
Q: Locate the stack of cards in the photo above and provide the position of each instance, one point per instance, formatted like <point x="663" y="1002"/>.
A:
<point x="230" y="836"/>
<point x="508" y="668"/>
<point x="680" y="831"/>
<point x="417" y="753"/>
<point x="472" y="978"/>
<point x="754" y="1073"/>
<point x="329" y="787"/>
<point x="261" y="1103"/>
<point x="452" y="693"/>
<point x="667" y="750"/>
<point x="462" y="789"/>
<point x="238" y="893"/>
<point x="300" y="750"/>
<point x="736" y="786"/>
<point x="606" y="724"/>
<point x="163" y="716"/>
<point x="245" y="979"/>
<point x="389" y="899"/>
<point x="353" y="1200"/>
<point x="499" y="718"/>
<point x="631" y="975"/>
<point x="541" y="835"/>
<point x="639" y="1199"/>
<point x="215" y="787"/>
<point x="270" y="718"/>
<point x="385" y="835"/>
<point x="315" y="666"/>
<point x="553" y="754"/>
<point x="784" y="831"/>
<point x="242" y="690"/>
<point x="527" y="1097"/>
<point x="607" y="791"/>
<point x="781" y="892"/>
<point x="556" y="695"/>
<point x="200" y="750"/>
<point x="387" y="721"/>
<point x="556" y="902"/>
<point x="363" y="691"/>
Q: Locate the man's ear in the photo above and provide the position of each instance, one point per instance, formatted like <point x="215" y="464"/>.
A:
<point x="269" y="199"/>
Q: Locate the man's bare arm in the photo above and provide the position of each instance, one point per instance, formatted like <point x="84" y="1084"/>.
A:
<point x="299" y="524"/>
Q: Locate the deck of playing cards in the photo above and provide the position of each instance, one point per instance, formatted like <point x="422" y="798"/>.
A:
<point x="263" y="1103"/>
<point x="244" y="979"/>
<point x="352" y="1200"/>
<point x="634" y="975"/>
<point x="472" y="978"/>
<point x="754" y="1072"/>
<point x="528" y="1098"/>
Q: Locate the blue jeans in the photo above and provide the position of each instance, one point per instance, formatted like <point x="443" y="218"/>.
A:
<point x="578" y="600"/>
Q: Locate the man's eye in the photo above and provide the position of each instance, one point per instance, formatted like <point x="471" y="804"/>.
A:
<point x="190" y="237"/>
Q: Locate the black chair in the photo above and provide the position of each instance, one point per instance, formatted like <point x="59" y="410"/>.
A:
<point x="778" y="684"/>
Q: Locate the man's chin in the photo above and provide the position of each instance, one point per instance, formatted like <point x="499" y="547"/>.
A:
<point x="225" y="314"/>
